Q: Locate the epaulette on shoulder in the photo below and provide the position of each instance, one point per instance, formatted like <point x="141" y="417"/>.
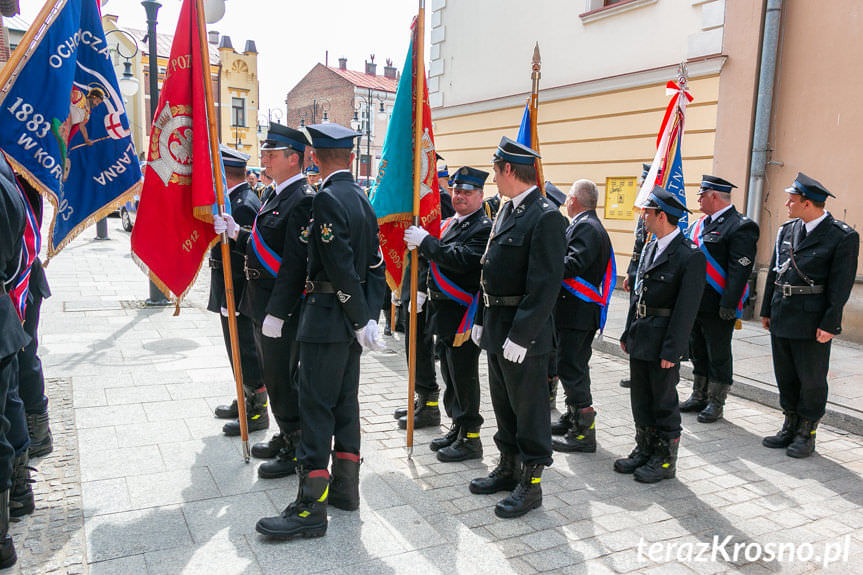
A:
<point x="843" y="226"/>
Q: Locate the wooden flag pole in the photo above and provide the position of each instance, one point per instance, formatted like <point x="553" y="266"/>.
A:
<point x="536" y="65"/>
<point x="226" y="250"/>
<point x="23" y="48"/>
<point x="419" y="72"/>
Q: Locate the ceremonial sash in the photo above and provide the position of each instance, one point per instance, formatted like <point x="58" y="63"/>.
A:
<point x="716" y="276"/>
<point x="458" y="295"/>
<point x="31" y="244"/>
<point x="586" y="291"/>
<point x="265" y="254"/>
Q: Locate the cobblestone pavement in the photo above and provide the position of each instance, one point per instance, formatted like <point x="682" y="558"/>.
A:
<point x="164" y="492"/>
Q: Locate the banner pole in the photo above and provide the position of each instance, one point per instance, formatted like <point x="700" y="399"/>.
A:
<point x="226" y="250"/>
<point x="536" y="65"/>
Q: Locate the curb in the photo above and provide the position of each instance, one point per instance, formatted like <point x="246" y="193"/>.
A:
<point x="836" y="415"/>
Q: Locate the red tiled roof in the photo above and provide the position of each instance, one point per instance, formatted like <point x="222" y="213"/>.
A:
<point x="364" y="80"/>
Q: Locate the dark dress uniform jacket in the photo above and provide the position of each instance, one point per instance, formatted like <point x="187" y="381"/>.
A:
<point x="12" y="214"/>
<point x="458" y="255"/>
<point x="343" y="250"/>
<point x="524" y="258"/>
<point x="282" y="223"/>
<point x="587" y="253"/>
<point x="491" y="206"/>
<point x="244" y="207"/>
<point x="828" y="256"/>
<point x="731" y="239"/>
<point x="675" y="280"/>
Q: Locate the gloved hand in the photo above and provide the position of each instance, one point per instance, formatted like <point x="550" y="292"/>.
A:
<point x="476" y="334"/>
<point x="224" y="311"/>
<point x="513" y="352"/>
<point x="396" y="299"/>
<point x="369" y="338"/>
<point x="421" y="299"/>
<point x="272" y="326"/>
<point x="414" y="236"/>
<point x="727" y="313"/>
<point x="225" y="223"/>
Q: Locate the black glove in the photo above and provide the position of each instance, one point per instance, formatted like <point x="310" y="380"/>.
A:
<point x="727" y="313"/>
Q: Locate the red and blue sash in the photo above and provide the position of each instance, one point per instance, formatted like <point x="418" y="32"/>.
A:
<point x="31" y="244"/>
<point x="265" y="254"/>
<point x="716" y="276"/>
<point x="586" y="291"/>
<point x="458" y="295"/>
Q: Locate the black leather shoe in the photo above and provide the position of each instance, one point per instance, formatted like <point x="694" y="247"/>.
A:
<point x="564" y="422"/>
<point x="345" y="481"/>
<point x="662" y="463"/>
<point x="526" y="496"/>
<point x="41" y="441"/>
<point x="784" y="436"/>
<point x="227" y="411"/>
<point x="627" y="383"/>
<point x="467" y="446"/>
<point x="286" y="461"/>
<point x="268" y="449"/>
<point x="698" y="400"/>
<point x="21" y="494"/>
<point x="427" y="412"/>
<point x="504" y="477"/>
<point x="445" y="440"/>
<point x="306" y="516"/>
<point x="640" y="455"/>
<point x="804" y="441"/>
<point x="717" y="393"/>
<point x="582" y="437"/>
<point x="258" y="419"/>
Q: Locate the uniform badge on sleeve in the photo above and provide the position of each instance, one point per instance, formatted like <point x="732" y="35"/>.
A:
<point x="343" y="297"/>
<point x="327" y="233"/>
<point x="304" y="234"/>
<point x="744" y="261"/>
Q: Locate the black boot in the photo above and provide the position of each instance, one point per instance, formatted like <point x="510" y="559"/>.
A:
<point x="662" y="463"/>
<point x="345" y="482"/>
<point x="7" y="547"/>
<point x="804" y="441"/>
<point x="307" y="515"/>
<point x="21" y="494"/>
<point x="716" y="396"/>
<point x="268" y="449"/>
<point x="527" y="494"/>
<point x="467" y="446"/>
<point x="427" y="412"/>
<point x="582" y="437"/>
<point x="639" y="455"/>
<point x="552" y="390"/>
<point x="565" y="422"/>
<point x="41" y="442"/>
<point x="286" y="461"/>
<point x="504" y="477"/>
<point x="698" y="400"/>
<point x="256" y="415"/>
<point x="445" y="440"/>
<point x="403" y="411"/>
<point x="784" y="436"/>
<point x="227" y="411"/>
<point x="626" y="382"/>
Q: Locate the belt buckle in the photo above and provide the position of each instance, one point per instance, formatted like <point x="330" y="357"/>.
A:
<point x="485" y="300"/>
<point x="641" y="310"/>
<point x="310" y="286"/>
<point x="786" y="290"/>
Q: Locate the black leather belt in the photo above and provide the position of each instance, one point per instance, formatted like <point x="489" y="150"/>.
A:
<point x="215" y="264"/>
<point x="319" y="287"/>
<point x="437" y="295"/>
<point x="501" y="300"/>
<point x="642" y="311"/>
<point x="788" y="290"/>
<point x="253" y="274"/>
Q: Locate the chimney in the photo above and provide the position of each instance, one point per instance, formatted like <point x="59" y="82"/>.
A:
<point x="213" y="37"/>
<point x="343" y="63"/>
<point x="389" y="69"/>
<point x="371" y="67"/>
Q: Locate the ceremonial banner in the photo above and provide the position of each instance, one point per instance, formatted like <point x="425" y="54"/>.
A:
<point x="668" y="161"/>
<point x="64" y="125"/>
<point x="174" y="227"/>
<point x="392" y="195"/>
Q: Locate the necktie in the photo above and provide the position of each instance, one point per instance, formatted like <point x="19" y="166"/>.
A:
<point x="504" y="214"/>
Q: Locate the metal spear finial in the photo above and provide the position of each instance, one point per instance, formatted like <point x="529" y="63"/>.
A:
<point x="536" y="63"/>
<point x="682" y="74"/>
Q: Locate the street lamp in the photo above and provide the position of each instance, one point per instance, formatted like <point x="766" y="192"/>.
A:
<point x="128" y="82"/>
<point x="357" y="123"/>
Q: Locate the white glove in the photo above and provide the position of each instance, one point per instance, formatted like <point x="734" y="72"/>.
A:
<point x="513" y="352"/>
<point x="225" y="223"/>
<point x="476" y="334"/>
<point x="225" y="312"/>
<point x="368" y="337"/>
<point x="272" y="326"/>
<point x="421" y="299"/>
<point x="394" y="297"/>
<point x="414" y="236"/>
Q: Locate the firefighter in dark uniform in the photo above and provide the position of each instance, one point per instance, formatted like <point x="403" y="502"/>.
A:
<point x="453" y="285"/>
<point x="345" y="289"/>
<point x="276" y="253"/>
<point x="521" y="273"/>
<point x="245" y="204"/>
<point x="313" y="175"/>
<point x="667" y="291"/>
<point x="491" y="205"/>
<point x="810" y="279"/>
<point x="728" y="239"/>
<point x="588" y="272"/>
<point x="557" y="198"/>
<point x="12" y="336"/>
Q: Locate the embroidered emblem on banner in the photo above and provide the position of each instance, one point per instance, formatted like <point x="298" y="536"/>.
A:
<point x="171" y="145"/>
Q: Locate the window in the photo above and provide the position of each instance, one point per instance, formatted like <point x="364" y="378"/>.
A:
<point x="238" y="112"/>
<point x="365" y="165"/>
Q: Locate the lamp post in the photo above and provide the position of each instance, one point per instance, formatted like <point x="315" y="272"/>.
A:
<point x="357" y="124"/>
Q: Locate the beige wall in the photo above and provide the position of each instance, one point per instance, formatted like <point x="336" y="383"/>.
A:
<point x="239" y="78"/>
<point x="601" y="135"/>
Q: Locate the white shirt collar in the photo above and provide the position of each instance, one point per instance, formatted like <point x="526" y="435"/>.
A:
<point x="288" y="182"/>
<point x="457" y="218"/>
<point x="662" y="243"/>
<point x="517" y="200"/>
<point x="716" y="215"/>
<point x="814" y="223"/>
<point x="327" y="179"/>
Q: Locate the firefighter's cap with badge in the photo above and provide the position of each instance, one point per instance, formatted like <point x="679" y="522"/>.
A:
<point x="324" y="136"/>
<point x="809" y="188"/>
<point x="284" y="138"/>
<point x="662" y="199"/>
<point x="232" y="158"/>
<point x="467" y="178"/>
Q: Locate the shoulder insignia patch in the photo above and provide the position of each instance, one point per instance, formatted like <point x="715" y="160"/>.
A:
<point x="744" y="261"/>
<point x="343" y="297"/>
<point x="327" y="233"/>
